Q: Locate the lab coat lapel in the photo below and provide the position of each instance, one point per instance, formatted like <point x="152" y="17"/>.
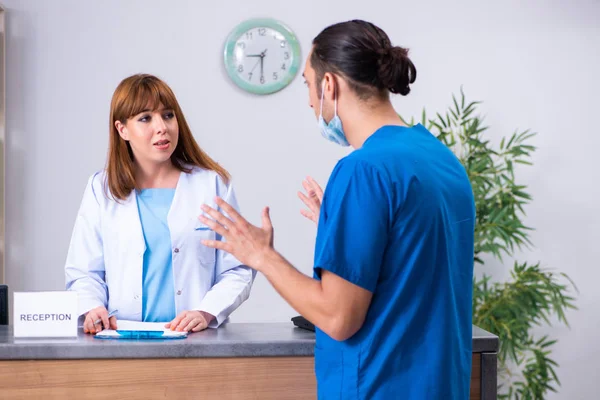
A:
<point x="130" y="219"/>
<point x="182" y="205"/>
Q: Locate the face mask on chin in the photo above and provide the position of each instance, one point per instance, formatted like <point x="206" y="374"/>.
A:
<point x="332" y="131"/>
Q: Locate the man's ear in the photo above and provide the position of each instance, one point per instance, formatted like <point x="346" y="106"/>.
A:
<point x="329" y="85"/>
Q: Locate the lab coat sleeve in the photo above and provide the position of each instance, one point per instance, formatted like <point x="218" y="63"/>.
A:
<point x="84" y="268"/>
<point x="233" y="280"/>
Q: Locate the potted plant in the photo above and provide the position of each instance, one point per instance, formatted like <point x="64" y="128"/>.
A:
<point x="533" y="295"/>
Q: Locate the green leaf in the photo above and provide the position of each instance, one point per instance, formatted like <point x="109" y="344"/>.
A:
<point x="456" y="106"/>
<point x="441" y="119"/>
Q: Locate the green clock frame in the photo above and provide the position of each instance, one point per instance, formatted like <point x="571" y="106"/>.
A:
<point x="231" y="66"/>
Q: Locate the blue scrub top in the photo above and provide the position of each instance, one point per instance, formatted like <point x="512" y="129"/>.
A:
<point x="398" y="220"/>
<point x="158" y="294"/>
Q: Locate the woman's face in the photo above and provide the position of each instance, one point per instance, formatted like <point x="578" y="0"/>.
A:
<point x="152" y="134"/>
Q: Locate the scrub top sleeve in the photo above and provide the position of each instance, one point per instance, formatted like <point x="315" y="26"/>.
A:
<point x="354" y="224"/>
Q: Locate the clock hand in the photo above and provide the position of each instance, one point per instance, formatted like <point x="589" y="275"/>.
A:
<point x="262" y="58"/>
<point x="255" y="65"/>
<point x="261" y="67"/>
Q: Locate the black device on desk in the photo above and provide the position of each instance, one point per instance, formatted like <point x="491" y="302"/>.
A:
<point x="3" y="305"/>
<point x="303" y="323"/>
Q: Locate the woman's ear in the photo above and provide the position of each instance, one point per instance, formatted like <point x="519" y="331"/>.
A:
<point x="122" y="129"/>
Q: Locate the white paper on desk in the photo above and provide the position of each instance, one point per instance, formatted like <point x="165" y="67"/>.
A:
<point x="125" y="325"/>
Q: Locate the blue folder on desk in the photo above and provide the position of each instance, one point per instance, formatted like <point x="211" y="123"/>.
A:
<point x="132" y="330"/>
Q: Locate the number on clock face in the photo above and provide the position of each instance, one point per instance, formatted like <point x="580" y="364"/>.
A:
<point x="262" y="56"/>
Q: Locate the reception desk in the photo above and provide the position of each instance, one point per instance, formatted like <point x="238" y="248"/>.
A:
<point x="236" y="361"/>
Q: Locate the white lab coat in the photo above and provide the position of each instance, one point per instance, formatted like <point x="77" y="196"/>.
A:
<point x="105" y="260"/>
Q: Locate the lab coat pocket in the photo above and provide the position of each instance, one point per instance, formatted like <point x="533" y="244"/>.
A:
<point x="205" y="254"/>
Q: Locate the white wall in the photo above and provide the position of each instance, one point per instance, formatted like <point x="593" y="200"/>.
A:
<point x="535" y="66"/>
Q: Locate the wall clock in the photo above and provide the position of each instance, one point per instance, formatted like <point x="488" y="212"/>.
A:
<point x="262" y="56"/>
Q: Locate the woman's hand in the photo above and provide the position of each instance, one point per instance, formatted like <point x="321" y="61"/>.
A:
<point x="98" y="313"/>
<point x="312" y="199"/>
<point x="187" y="321"/>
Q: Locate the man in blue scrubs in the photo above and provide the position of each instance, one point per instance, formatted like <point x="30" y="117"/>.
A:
<point x="391" y="295"/>
<point x="397" y="220"/>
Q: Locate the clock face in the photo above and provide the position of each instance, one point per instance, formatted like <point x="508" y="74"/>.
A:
<point x="262" y="56"/>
